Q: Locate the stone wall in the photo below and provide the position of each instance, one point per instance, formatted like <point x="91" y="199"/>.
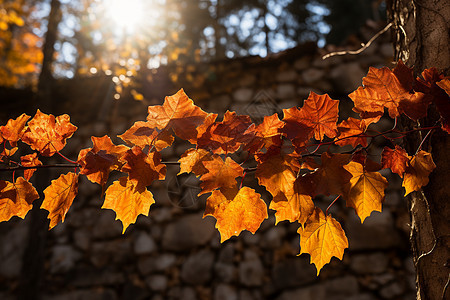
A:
<point x="174" y="253"/>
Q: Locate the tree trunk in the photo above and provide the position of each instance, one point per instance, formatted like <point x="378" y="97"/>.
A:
<point x="422" y="40"/>
<point x="46" y="79"/>
<point x="32" y="273"/>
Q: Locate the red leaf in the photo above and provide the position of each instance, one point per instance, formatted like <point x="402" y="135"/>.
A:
<point x="227" y="136"/>
<point x="395" y="159"/>
<point x="143" y="169"/>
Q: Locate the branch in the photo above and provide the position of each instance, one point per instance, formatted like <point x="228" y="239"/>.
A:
<point x="19" y="168"/>
<point x="364" y="46"/>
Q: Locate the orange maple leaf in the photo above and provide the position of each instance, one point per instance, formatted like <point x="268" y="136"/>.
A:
<point x="128" y="201"/>
<point x="317" y="118"/>
<point x="383" y="89"/>
<point x="29" y="160"/>
<point x="48" y="134"/>
<point x="292" y="206"/>
<point x="277" y="172"/>
<point x="143" y="168"/>
<point x="59" y="196"/>
<point x="227" y="136"/>
<point x="348" y="131"/>
<point x="13" y="130"/>
<point x="191" y="161"/>
<point x="265" y="134"/>
<point x="395" y="159"/>
<point x="178" y="113"/>
<point x="322" y="237"/>
<point x="16" y="198"/>
<point x="97" y="162"/>
<point x="236" y="210"/>
<point x="416" y="174"/>
<point x="365" y="190"/>
<point x="143" y="134"/>
<point x="221" y="174"/>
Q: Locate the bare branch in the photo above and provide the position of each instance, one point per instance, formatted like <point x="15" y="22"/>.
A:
<point x="364" y="46"/>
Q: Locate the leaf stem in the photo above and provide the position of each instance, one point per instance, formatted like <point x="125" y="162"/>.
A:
<point x="65" y="158"/>
<point x="326" y="212"/>
<point x="242" y="180"/>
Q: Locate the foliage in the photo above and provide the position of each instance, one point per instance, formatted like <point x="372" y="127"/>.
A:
<point x="20" y="48"/>
<point x="283" y="154"/>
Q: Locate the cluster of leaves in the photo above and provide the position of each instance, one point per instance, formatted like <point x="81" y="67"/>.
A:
<point x="284" y="155"/>
<point x="20" y="47"/>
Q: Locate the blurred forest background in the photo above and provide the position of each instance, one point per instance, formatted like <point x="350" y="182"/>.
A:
<point x="45" y="39"/>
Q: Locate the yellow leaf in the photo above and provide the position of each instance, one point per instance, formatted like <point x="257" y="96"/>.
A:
<point x="128" y="201"/>
<point x="416" y="175"/>
<point x="293" y="206"/>
<point x="322" y="237"/>
<point x="191" y="161"/>
<point x="366" y="190"/>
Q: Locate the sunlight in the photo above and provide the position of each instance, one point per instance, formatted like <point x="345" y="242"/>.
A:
<point x="127" y="14"/>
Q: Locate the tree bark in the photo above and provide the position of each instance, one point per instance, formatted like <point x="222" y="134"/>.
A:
<point x="422" y="40"/>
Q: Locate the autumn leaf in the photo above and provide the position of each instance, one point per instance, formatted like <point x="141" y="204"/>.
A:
<point x="13" y="130"/>
<point x="395" y="159"/>
<point x="209" y="120"/>
<point x="221" y="174"/>
<point x="29" y="160"/>
<point x="294" y="205"/>
<point x="322" y="237"/>
<point x="143" y="134"/>
<point x="178" y="113"/>
<point x="445" y="85"/>
<point x="416" y="175"/>
<point x="278" y="172"/>
<point x="227" y="136"/>
<point x="383" y="89"/>
<point x="317" y="118"/>
<point x="365" y="190"/>
<point x="143" y="168"/>
<point x="236" y="210"/>
<point x="320" y="112"/>
<point x="7" y="153"/>
<point x="348" y="133"/>
<point x="330" y="178"/>
<point x="59" y="197"/>
<point x="429" y="84"/>
<point x="128" y="201"/>
<point x="265" y="134"/>
<point x="48" y="134"/>
<point x="191" y="161"/>
<point x="16" y="198"/>
<point x="97" y="162"/>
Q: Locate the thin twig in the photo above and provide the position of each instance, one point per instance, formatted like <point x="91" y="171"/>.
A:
<point x="170" y="162"/>
<point x="19" y="168"/>
<point x="364" y="46"/>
